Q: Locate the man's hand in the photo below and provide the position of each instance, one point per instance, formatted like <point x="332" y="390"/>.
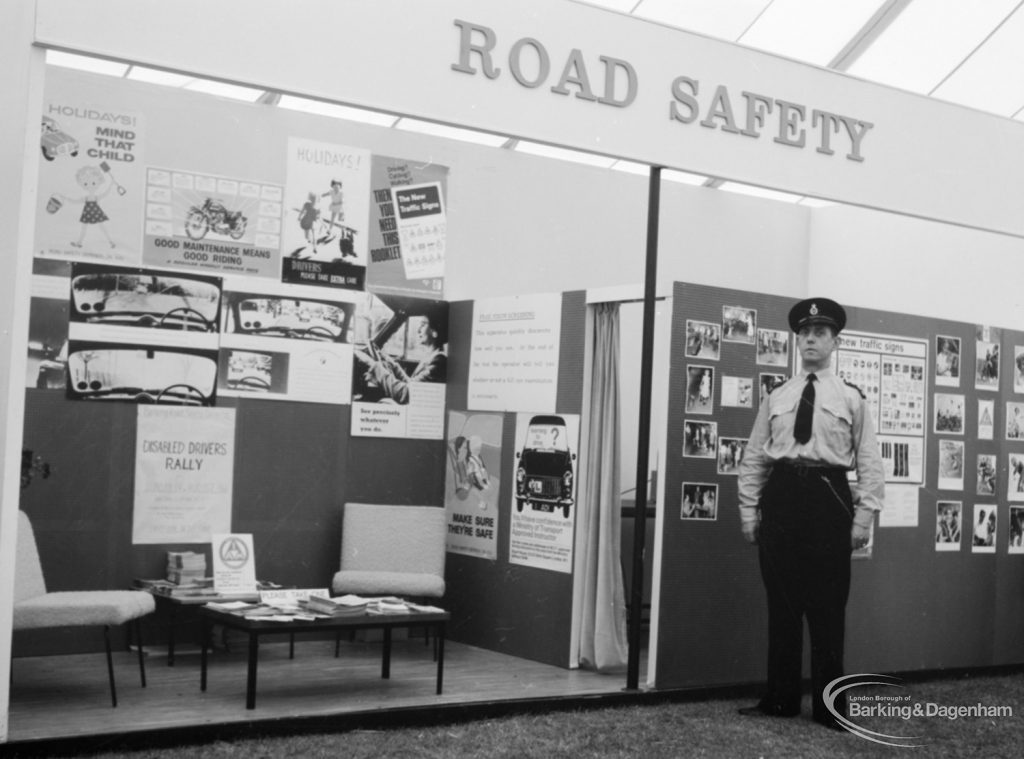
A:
<point x="750" y="530"/>
<point x="859" y="536"/>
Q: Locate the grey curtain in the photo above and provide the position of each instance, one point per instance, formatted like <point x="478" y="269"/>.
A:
<point x="603" y="643"/>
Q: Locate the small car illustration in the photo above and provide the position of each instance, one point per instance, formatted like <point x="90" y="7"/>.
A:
<point x="544" y="474"/>
<point x="55" y="142"/>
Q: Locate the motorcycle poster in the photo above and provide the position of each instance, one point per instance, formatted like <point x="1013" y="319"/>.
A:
<point x="214" y="223"/>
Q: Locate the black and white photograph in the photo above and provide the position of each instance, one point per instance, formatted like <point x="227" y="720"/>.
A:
<point x="239" y="330"/>
<point x="947" y="361"/>
<point x="773" y="347"/>
<point x="949" y="414"/>
<point x="700" y="439"/>
<point x="1016" y="532"/>
<point x="951" y="464"/>
<point x="703" y="340"/>
<point x="730" y="454"/>
<point x="948" y="527"/>
<point x="700" y="389"/>
<point x="119" y="372"/>
<point x="700" y="501"/>
<point x="986" y="365"/>
<point x="739" y="324"/>
<point x="983" y="528"/>
<point x="1015" y="421"/>
<point x="767" y="383"/>
<point x="987" y="483"/>
<point x="1015" y="479"/>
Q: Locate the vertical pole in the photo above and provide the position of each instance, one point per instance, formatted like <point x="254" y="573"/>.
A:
<point x="636" y="596"/>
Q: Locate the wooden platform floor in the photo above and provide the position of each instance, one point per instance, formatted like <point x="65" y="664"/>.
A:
<point x="67" y="696"/>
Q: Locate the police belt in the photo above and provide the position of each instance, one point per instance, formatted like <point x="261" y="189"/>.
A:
<point x="806" y="469"/>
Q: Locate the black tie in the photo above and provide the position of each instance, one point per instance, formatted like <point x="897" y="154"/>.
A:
<point x="804" y="414"/>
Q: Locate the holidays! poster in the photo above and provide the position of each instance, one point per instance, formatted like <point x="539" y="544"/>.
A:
<point x="327" y="199"/>
<point x="91" y="181"/>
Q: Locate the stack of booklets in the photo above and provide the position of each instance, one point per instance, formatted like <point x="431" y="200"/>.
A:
<point x="186" y="567"/>
<point x="390" y="605"/>
<point x="201" y="589"/>
<point x="340" y="606"/>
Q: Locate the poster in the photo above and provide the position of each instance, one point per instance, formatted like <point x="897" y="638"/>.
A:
<point x="142" y="335"/>
<point x="407" y="245"/>
<point x="48" y="325"/>
<point x="234" y="563"/>
<point x="399" y="367"/>
<point x="900" y="508"/>
<point x="326" y="215"/>
<point x="472" y="483"/>
<point x="890" y="373"/>
<point x="184" y="469"/>
<point x="91" y="184"/>
<point x="203" y="221"/>
<point x="286" y="342"/>
<point x="514" y="353"/>
<point x="544" y="495"/>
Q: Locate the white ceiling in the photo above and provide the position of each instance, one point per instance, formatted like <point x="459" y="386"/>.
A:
<point x="969" y="52"/>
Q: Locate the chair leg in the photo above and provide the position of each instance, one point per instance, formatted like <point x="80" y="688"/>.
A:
<point x="110" y="666"/>
<point x="137" y="624"/>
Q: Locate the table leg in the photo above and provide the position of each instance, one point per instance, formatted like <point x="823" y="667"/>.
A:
<point x="439" y="642"/>
<point x="250" y="681"/>
<point x="205" y="635"/>
<point x="172" y="621"/>
<point x="385" y="666"/>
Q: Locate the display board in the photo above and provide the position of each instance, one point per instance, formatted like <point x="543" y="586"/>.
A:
<point x="515" y="604"/>
<point x="938" y="587"/>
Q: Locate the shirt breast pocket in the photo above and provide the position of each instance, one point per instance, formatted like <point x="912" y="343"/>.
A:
<point x="837" y="427"/>
<point x="782" y="416"/>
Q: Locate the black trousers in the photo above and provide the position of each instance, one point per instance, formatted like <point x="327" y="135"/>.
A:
<point x="804" y="549"/>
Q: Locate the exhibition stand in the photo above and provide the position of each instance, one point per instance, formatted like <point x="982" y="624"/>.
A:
<point x="274" y="263"/>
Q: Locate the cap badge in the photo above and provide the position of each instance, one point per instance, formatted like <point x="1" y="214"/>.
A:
<point x="814" y="309"/>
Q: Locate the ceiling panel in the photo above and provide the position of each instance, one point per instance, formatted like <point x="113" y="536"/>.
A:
<point x="928" y="40"/>
<point x="714" y="18"/>
<point x="990" y="79"/>
<point x="809" y="30"/>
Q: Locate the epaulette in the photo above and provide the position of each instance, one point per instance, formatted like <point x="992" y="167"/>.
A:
<point x="847" y="382"/>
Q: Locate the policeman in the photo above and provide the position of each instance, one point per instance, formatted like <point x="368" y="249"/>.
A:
<point x="798" y="506"/>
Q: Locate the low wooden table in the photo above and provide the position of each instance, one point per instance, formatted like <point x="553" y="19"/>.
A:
<point x="255" y="627"/>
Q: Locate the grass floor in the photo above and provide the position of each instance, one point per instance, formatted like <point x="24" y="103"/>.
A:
<point x="709" y="728"/>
